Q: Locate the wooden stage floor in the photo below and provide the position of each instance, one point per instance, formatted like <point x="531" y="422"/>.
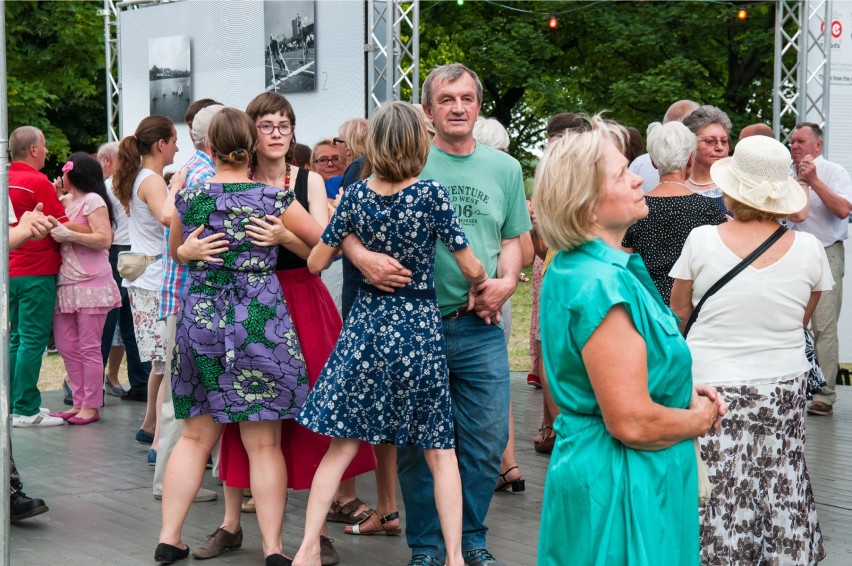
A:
<point x="98" y="485"/>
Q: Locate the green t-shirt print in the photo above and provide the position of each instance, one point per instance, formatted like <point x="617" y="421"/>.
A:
<point x="487" y="192"/>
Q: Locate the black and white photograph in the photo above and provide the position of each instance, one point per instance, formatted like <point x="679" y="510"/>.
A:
<point x="169" y="76"/>
<point x="290" y="39"/>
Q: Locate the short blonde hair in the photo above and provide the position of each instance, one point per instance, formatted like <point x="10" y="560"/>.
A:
<point x="568" y="182"/>
<point x="354" y="133"/>
<point x="745" y="213"/>
<point x="319" y="144"/>
<point x="399" y="142"/>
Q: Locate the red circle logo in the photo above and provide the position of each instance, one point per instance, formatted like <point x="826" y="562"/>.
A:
<point x="836" y="28"/>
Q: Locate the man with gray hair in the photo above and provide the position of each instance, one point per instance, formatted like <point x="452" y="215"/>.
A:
<point x="642" y="165"/>
<point x="486" y="189"/>
<point x="121" y="318"/>
<point x="32" y="278"/>
<point x="830" y="190"/>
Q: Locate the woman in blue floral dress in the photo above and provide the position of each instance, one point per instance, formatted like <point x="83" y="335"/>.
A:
<point x="386" y="381"/>
<point x="237" y="358"/>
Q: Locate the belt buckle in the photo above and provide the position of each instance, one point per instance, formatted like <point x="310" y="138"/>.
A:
<point x="455" y="314"/>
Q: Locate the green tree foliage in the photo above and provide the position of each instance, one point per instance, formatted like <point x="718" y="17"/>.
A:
<point x="55" y="73"/>
<point x="632" y="59"/>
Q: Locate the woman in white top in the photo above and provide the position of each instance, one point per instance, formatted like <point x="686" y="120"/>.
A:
<point x="748" y="342"/>
<point x="141" y="189"/>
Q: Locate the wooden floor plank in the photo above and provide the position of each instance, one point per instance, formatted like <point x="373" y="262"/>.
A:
<point x="98" y="486"/>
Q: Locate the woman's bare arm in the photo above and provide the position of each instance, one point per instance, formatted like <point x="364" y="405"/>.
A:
<point x="681" y="300"/>
<point x="621" y="389"/>
<point x="811" y="306"/>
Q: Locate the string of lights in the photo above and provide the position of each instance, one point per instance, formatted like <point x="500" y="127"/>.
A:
<point x="553" y="21"/>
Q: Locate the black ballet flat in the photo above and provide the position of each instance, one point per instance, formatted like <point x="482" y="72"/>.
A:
<point x="166" y="553"/>
<point x="278" y="560"/>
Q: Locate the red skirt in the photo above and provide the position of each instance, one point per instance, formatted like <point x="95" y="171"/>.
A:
<point x="317" y="325"/>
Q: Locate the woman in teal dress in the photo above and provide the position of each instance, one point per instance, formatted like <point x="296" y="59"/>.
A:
<point x="622" y="484"/>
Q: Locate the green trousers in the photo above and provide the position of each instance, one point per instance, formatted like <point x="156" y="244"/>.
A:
<point x="31" y="302"/>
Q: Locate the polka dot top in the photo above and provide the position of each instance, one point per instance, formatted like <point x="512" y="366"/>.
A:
<point x="659" y="237"/>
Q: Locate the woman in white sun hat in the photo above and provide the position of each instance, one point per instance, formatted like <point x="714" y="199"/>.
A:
<point x="748" y="342"/>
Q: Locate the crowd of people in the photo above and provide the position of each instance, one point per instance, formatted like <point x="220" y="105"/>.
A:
<point x="295" y="317"/>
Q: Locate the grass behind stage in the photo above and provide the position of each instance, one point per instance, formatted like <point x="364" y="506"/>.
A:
<point x="53" y="370"/>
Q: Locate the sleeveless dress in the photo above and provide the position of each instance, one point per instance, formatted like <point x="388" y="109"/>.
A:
<point x="236" y="353"/>
<point x="317" y="324"/>
<point x="604" y="502"/>
<point x="387" y="380"/>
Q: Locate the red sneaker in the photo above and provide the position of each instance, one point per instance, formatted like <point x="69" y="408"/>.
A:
<point x="534" y="380"/>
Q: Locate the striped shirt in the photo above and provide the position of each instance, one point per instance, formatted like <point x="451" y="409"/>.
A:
<point x="200" y="168"/>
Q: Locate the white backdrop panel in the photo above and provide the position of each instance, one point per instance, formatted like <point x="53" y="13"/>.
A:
<point x="228" y="43"/>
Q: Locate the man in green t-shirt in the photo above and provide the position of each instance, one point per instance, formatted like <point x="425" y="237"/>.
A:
<point x="487" y="193"/>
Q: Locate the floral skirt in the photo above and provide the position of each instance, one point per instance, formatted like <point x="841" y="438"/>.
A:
<point x="146" y="324"/>
<point x="761" y="509"/>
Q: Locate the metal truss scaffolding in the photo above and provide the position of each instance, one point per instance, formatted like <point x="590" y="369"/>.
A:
<point x="393" y="52"/>
<point x="113" y="90"/>
<point x="802" y="62"/>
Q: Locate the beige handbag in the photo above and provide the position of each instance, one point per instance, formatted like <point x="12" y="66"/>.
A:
<point x="132" y="264"/>
<point x="704" y="487"/>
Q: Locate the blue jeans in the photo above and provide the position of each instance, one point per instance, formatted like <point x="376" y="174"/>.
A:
<point x="137" y="370"/>
<point x="479" y="386"/>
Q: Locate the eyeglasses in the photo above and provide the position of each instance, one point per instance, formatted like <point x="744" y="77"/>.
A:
<point x="711" y="142"/>
<point x="338" y="140"/>
<point x="283" y="129"/>
<point x="326" y="160"/>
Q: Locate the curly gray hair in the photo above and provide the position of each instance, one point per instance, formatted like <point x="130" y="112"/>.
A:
<point x="705" y="115"/>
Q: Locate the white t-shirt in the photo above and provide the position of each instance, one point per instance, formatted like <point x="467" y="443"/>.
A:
<point x="121" y="234"/>
<point x="821" y="222"/>
<point x="12" y="217"/>
<point x="147" y="236"/>
<point x="750" y="331"/>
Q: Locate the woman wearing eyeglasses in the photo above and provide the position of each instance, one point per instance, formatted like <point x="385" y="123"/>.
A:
<point x="316" y="321"/>
<point x="712" y="128"/>
<point x="326" y="159"/>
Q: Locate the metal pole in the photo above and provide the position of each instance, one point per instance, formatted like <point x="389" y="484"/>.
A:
<point x="776" y="75"/>
<point x="390" y="58"/>
<point x="415" y="79"/>
<point x="107" y="74"/>
<point x="826" y="75"/>
<point x="5" y="439"/>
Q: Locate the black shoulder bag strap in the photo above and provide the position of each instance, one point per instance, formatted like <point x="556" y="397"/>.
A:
<point x="733" y="273"/>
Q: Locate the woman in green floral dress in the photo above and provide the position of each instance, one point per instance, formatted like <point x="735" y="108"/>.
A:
<point x="237" y="357"/>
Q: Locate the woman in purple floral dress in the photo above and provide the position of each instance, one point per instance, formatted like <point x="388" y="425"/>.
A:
<point x="237" y="357"/>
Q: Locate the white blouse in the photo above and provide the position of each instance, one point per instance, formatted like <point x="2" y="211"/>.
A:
<point x="750" y="331"/>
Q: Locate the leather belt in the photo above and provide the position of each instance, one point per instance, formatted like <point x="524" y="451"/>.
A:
<point x="458" y="313"/>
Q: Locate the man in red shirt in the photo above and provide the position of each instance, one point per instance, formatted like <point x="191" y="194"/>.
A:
<point x="32" y="278"/>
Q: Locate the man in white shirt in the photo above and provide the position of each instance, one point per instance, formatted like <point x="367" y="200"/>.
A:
<point x="642" y="165"/>
<point x="827" y="219"/>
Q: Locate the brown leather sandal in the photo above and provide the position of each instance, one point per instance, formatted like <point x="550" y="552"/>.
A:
<point x="547" y="439"/>
<point x="348" y="513"/>
<point x="378" y="524"/>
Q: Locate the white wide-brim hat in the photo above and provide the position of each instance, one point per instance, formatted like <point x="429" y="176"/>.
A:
<point x="758" y="175"/>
